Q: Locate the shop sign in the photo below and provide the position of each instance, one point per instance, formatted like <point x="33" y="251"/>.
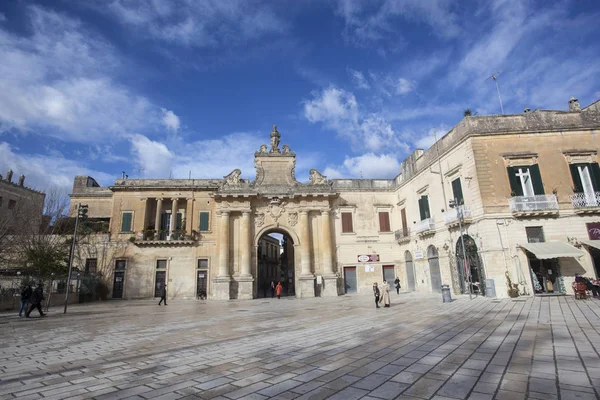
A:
<point x="594" y="230"/>
<point x="368" y="258"/>
<point x="419" y="254"/>
<point x="369" y="268"/>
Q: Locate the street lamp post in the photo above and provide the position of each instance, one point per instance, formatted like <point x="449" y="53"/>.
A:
<point x="459" y="214"/>
<point x="81" y="212"/>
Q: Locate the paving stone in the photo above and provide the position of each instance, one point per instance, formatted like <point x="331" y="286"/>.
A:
<point x="424" y="388"/>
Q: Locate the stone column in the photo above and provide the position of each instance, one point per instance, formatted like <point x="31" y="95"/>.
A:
<point x="157" y="218"/>
<point x="173" y="216"/>
<point x="189" y="216"/>
<point x="245" y="280"/>
<point x="222" y="282"/>
<point x="329" y="287"/>
<point x="306" y="280"/>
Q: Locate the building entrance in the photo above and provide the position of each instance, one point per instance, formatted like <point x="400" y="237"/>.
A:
<point x="275" y="263"/>
<point x="473" y="266"/>
<point x="545" y="275"/>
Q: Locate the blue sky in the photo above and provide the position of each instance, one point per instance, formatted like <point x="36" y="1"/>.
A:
<point x="163" y="88"/>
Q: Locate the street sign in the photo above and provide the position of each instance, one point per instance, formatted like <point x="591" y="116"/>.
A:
<point x="368" y="258"/>
<point x="419" y="254"/>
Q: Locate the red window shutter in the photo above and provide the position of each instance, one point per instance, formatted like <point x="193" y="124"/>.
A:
<point x="346" y="222"/>
<point x="384" y="222"/>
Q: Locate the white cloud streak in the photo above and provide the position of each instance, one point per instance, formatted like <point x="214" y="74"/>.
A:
<point x="368" y="165"/>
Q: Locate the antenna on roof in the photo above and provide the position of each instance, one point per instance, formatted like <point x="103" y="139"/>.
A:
<point x="494" y="76"/>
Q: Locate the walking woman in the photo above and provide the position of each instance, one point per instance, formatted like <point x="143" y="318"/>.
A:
<point x="385" y="299"/>
<point x="278" y="290"/>
<point x="397" y="284"/>
<point x="376" y="294"/>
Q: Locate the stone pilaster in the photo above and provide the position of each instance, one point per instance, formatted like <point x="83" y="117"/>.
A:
<point x="330" y="279"/>
<point x="306" y="281"/>
<point x="189" y="216"/>
<point x="173" y="227"/>
<point x="222" y="283"/>
<point x="245" y="280"/>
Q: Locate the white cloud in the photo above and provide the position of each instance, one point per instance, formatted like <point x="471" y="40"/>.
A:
<point x="358" y="79"/>
<point x="61" y="77"/>
<point x="366" y="166"/>
<point x="153" y="158"/>
<point x="170" y="120"/>
<point x="43" y="172"/>
<point x="405" y="86"/>
<point x="338" y="110"/>
<point x="372" y="21"/>
<point x="2" y="17"/>
<point x="207" y="23"/>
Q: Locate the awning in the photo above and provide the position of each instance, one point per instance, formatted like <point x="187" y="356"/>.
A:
<point x="547" y="250"/>
<point x="592" y="243"/>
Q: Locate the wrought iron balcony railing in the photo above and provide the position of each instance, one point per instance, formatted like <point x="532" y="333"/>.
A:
<point x="583" y="200"/>
<point x="402" y="235"/>
<point x="546" y="203"/>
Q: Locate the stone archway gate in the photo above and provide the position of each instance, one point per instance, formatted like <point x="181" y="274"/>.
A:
<point x="274" y="200"/>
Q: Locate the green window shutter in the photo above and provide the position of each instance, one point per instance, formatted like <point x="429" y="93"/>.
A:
<point x="577" y="184"/>
<point x="426" y="207"/>
<point x="457" y="191"/>
<point x="595" y="175"/>
<point x="204" y="221"/>
<point x="536" y="179"/>
<point x="515" y="185"/>
<point x="126" y="222"/>
<point x="421" y="211"/>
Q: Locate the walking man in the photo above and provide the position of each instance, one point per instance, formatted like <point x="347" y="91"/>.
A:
<point x="163" y="295"/>
<point x="397" y="284"/>
<point x="272" y="289"/>
<point x="36" y="300"/>
<point x="376" y="294"/>
<point x="25" y="296"/>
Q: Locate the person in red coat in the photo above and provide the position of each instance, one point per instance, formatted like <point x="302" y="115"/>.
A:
<point x="278" y="290"/>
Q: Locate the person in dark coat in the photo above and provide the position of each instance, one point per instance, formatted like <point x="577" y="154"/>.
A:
<point x="397" y="284"/>
<point x="163" y="295"/>
<point x="36" y="300"/>
<point x="272" y="289"/>
<point x="25" y="296"/>
<point x="376" y="293"/>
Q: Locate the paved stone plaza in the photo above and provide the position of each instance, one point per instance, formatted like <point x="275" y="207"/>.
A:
<point x="339" y="348"/>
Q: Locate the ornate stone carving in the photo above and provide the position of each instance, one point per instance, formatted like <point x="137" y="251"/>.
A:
<point x="316" y="178"/>
<point x="286" y="149"/>
<point x="293" y="218"/>
<point x="263" y="148"/>
<point x="275" y="136"/>
<point x="276" y="208"/>
<point x="259" y="219"/>
<point x="233" y="178"/>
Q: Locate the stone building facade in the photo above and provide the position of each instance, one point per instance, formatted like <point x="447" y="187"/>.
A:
<point x="21" y="208"/>
<point x="525" y="192"/>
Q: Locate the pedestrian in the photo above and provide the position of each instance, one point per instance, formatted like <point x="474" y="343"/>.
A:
<point x="376" y="294"/>
<point x="163" y="295"/>
<point x="36" y="300"/>
<point x="385" y="298"/>
<point x="397" y="284"/>
<point x="278" y="290"/>
<point x="272" y="289"/>
<point x="25" y="296"/>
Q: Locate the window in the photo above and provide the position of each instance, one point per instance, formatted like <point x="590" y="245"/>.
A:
<point x="204" y="217"/>
<point x="347" y="222"/>
<point x="535" y="234"/>
<point x="525" y="181"/>
<point x="126" y="219"/>
<point x="12" y="204"/>
<point x="586" y="178"/>
<point x="203" y="263"/>
<point x="161" y="264"/>
<point x="384" y="221"/>
<point x="120" y="264"/>
<point x="424" y="207"/>
<point x="457" y="191"/>
<point x="91" y="265"/>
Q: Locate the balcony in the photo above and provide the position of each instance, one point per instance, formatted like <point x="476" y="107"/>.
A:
<point x="425" y="227"/>
<point x="451" y="216"/>
<point x="162" y="238"/>
<point x="586" y="203"/>
<point x="402" y="235"/>
<point x="541" y="204"/>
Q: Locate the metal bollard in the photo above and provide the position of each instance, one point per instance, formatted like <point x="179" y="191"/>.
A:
<point x="446" y="294"/>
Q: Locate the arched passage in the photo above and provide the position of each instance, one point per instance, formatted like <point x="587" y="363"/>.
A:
<point x="275" y="261"/>
<point x="410" y="271"/>
<point x="473" y="265"/>
<point x="434" y="269"/>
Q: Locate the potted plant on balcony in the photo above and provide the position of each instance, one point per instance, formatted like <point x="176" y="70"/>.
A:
<point x="149" y="233"/>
